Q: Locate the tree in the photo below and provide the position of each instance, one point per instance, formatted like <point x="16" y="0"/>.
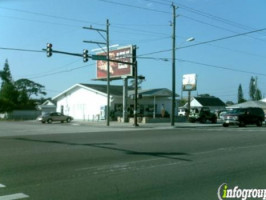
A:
<point x="240" y="95"/>
<point x="27" y="88"/>
<point x="254" y="92"/>
<point x="252" y="88"/>
<point x="258" y="95"/>
<point x="17" y="95"/>
<point x="8" y="93"/>
<point x="5" y="74"/>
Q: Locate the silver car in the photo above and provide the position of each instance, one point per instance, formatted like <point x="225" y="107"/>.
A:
<point x="54" y="116"/>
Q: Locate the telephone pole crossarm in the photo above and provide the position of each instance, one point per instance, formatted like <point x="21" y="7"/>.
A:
<point x="94" y="42"/>
<point x="95" y="29"/>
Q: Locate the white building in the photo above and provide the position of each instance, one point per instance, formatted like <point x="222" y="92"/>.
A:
<point x="214" y="103"/>
<point x="88" y="101"/>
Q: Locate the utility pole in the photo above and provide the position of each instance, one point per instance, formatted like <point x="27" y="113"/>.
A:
<point x="135" y="64"/>
<point x="173" y="66"/>
<point x="108" y="63"/>
<point x="108" y="74"/>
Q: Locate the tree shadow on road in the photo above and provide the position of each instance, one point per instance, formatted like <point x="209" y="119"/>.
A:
<point x="110" y="146"/>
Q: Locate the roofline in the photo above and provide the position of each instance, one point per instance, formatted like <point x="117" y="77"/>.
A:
<point x="74" y="86"/>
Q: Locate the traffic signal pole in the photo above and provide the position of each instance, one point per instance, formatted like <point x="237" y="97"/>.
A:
<point x="86" y="57"/>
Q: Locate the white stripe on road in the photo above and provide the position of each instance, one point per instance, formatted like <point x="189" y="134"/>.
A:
<point x="2" y="186"/>
<point x="14" y="196"/>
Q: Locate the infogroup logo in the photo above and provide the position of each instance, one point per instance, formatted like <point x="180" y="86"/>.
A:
<point x="237" y="193"/>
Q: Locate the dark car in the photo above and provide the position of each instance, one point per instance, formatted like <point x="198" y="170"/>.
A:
<point x="54" y="116"/>
<point x="202" y="115"/>
<point x="243" y="116"/>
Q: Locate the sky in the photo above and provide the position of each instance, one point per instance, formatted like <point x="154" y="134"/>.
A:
<point x="229" y="45"/>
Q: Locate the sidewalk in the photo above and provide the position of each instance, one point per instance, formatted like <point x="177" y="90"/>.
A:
<point x="115" y="125"/>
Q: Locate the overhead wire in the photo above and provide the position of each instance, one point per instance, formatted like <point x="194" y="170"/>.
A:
<point x="206" y="42"/>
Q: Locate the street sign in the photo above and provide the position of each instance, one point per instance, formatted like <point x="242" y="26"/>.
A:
<point x="98" y="57"/>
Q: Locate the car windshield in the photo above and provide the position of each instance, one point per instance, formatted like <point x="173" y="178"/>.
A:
<point x="237" y="111"/>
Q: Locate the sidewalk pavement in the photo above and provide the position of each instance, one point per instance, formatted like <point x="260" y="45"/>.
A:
<point x="120" y="125"/>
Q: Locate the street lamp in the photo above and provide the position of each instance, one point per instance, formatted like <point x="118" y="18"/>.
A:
<point x="190" y="39"/>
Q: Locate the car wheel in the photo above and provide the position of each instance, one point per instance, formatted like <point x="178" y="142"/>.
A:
<point x="68" y="120"/>
<point x="191" y="120"/>
<point x="242" y="124"/>
<point x="43" y="122"/>
<point x="214" y="120"/>
<point x="259" y="123"/>
<point x="49" y="121"/>
<point x="203" y="120"/>
<point x="225" y="125"/>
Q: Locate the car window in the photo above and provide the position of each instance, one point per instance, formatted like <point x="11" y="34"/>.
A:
<point x="237" y="111"/>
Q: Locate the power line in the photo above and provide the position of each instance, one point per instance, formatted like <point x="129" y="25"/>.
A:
<point x="39" y="21"/>
<point x="51" y="71"/>
<point x="133" y="6"/>
<point x="221" y="67"/>
<point x="25" y="50"/>
<point x="62" y="71"/>
<point x="206" y="42"/>
<point x="211" y="16"/>
<point x="204" y="64"/>
<point x="51" y="16"/>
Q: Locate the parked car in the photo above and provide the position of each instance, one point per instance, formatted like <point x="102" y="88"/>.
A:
<point x="202" y="115"/>
<point x="243" y="116"/>
<point x="222" y="114"/>
<point x="54" y="116"/>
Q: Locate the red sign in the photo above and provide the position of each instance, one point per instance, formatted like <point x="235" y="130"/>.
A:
<point x="117" y="70"/>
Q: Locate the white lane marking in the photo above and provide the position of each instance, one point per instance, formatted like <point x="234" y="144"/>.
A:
<point x="14" y="196"/>
<point x="2" y="186"/>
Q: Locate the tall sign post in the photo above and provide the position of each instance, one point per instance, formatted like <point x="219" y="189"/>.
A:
<point x="189" y="84"/>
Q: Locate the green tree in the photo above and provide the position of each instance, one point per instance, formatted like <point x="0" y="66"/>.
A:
<point x="254" y="92"/>
<point x="240" y="95"/>
<point x="5" y="74"/>
<point x="8" y="93"/>
<point x="258" y="95"/>
<point x="18" y="94"/>
<point x="252" y="88"/>
<point x="27" y="88"/>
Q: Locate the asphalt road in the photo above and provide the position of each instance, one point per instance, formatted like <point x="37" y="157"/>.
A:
<point x="179" y="163"/>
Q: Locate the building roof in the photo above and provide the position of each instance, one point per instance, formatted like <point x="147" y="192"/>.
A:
<point x="115" y="90"/>
<point x="210" y="101"/>
<point x="259" y="104"/>
<point x="160" y="92"/>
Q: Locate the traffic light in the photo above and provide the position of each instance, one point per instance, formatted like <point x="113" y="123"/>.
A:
<point x="49" y="49"/>
<point x="85" y="55"/>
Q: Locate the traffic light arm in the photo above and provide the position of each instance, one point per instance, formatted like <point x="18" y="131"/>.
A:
<point x="66" y="53"/>
<point x="89" y="56"/>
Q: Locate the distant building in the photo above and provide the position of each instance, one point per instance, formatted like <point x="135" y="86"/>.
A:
<point x="88" y="101"/>
<point x="214" y="103"/>
<point x="259" y="104"/>
<point x="47" y="106"/>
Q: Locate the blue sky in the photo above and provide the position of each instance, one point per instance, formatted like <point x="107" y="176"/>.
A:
<point x="220" y="66"/>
